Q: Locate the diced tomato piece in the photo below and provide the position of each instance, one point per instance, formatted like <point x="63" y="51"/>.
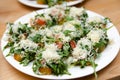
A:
<point x="59" y="44"/>
<point x="72" y="44"/>
<point x="40" y="22"/>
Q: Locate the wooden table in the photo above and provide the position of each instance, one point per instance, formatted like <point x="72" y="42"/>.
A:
<point x="10" y="10"/>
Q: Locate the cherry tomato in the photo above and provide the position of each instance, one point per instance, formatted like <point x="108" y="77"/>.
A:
<point x="40" y="22"/>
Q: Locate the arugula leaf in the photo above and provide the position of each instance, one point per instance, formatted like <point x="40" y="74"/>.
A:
<point x="94" y="65"/>
<point x="82" y="63"/>
<point x="49" y="23"/>
<point x="39" y="15"/>
<point x="67" y="32"/>
<point x="24" y="28"/>
<point x="36" y="66"/>
<point x="83" y="18"/>
<point x="101" y="45"/>
<point x="9" y="44"/>
<point x="51" y="3"/>
<point x="9" y="25"/>
<point x="50" y="39"/>
<point x="65" y="52"/>
<point x="68" y="18"/>
<point x="15" y="37"/>
<point x="27" y="57"/>
<point x="106" y="20"/>
<point x="58" y="68"/>
<point x="37" y="38"/>
<point x="11" y="51"/>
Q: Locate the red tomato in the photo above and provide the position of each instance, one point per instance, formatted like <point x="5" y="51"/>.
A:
<point x="59" y="44"/>
<point x="40" y="22"/>
<point x="72" y="44"/>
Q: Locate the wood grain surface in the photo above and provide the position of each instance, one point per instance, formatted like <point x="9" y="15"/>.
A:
<point x="11" y="10"/>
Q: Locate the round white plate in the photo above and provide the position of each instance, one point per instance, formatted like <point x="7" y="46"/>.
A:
<point x="107" y="56"/>
<point x="33" y="3"/>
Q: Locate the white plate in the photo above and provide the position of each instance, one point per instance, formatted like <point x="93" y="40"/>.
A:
<point x="106" y="57"/>
<point x="34" y="3"/>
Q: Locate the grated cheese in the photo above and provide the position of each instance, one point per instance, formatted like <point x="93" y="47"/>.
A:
<point x="75" y="11"/>
<point x="68" y="26"/>
<point x="50" y="53"/>
<point x="28" y="44"/>
<point x="79" y="53"/>
<point x="95" y="19"/>
<point x="95" y="35"/>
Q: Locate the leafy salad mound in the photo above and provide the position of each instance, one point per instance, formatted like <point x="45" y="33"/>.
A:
<point x="57" y="39"/>
<point x="51" y="3"/>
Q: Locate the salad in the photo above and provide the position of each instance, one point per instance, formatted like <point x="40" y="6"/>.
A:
<point x="52" y="2"/>
<point x="58" y="39"/>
